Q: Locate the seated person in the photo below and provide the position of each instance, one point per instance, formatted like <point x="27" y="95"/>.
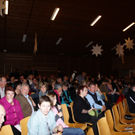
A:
<point x="99" y="93"/>
<point x="66" y="99"/>
<point x="2" y="114"/>
<point x="26" y="102"/>
<point x="59" y="117"/>
<point x="58" y="90"/>
<point x="17" y="87"/>
<point x="81" y="109"/>
<point x="43" y="89"/>
<point x="12" y="107"/>
<point x="65" y="95"/>
<point x="34" y="85"/>
<point x="94" y="100"/>
<point x="112" y="95"/>
<point x="131" y="99"/>
<point x="43" y="121"/>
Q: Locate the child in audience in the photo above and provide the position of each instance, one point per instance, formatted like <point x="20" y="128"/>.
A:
<point x="59" y="117"/>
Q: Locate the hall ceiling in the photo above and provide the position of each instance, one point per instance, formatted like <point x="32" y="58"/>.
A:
<point x="72" y="24"/>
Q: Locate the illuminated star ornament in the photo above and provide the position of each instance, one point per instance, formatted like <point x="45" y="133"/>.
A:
<point x="129" y="43"/>
<point x="97" y="50"/>
<point x="119" y="50"/>
<point x="2" y="6"/>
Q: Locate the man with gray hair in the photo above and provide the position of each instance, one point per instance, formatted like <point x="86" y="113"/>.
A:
<point x="25" y="101"/>
<point x="3" y="83"/>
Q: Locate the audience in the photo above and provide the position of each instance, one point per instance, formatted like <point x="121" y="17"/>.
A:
<point x="60" y="90"/>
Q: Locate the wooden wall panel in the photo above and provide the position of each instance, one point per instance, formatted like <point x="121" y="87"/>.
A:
<point x="48" y="64"/>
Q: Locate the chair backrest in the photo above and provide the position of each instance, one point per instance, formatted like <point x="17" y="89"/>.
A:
<point x="105" y="96"/>
<point x="121" y="110"/>
<point x="65" y="113"/>
<point x="90" y="131"/>
<point x="116" y="117"/>
<point x="109" y="119"/>
<point x="6" y="130"/>
<point x="71" y="104"/>
<point x="103" y="127"/>
<point x="23" y="123"/>
<point x="125" y="105"/>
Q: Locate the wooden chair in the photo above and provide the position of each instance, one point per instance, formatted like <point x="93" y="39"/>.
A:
<point x="103" y="128"/>
<point x="117" y="125"/>
<point x="66" y="118"/>
<point x="122" y="114"/>
<point x="110" y="122"/>
<point x="23" y="123"/>
<point x="105" y="96"/>
<point x="90" y="131"/>
<point x="126" y="108"/>
<point x="6" y="130"/>
<point x="71" y="104"/>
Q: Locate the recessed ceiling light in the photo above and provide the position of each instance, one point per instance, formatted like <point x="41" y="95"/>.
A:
<point x="59" y="40"/>
<point x="129" y="26"/>
<point x="92" y="24"/>
<point x="55" y="12"/>
<point x="91" y="42"/>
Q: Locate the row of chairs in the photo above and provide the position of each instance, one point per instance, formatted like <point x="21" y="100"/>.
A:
<point x="116" y="124"/>
<point x="6" y="130"/>
<point x="108" y="125"/>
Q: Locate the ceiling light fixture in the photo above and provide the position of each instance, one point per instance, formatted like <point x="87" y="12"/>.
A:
<point x="61" y="53"/>
<point x="114" y="47"/>
<point x="85" y="56"/>
<point x="24" y="38"/>
<point x="92" y="24"/>
<point x="59" y="40"/>
<point x="128" y="26"/>
<point x="6" y="7"/>
<point x="55" y="12"/>
<point x="91" y="42"/>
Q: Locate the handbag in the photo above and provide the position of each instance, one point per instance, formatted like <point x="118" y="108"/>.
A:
<point x="128" y="117"/>
<point x="95" y="112"/>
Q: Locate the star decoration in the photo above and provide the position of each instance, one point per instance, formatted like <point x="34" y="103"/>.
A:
<point x="119" y="50"/>
<point x="2" y="6"/>
<point x="129" y="43"/>
<point x="97" y="50"/>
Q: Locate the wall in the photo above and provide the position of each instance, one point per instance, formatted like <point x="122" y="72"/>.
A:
<point x="48" y="64"/>
<point x="121" y="69"/>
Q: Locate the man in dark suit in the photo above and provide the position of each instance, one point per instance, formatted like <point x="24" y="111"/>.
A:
<point x="25" y="101"/>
